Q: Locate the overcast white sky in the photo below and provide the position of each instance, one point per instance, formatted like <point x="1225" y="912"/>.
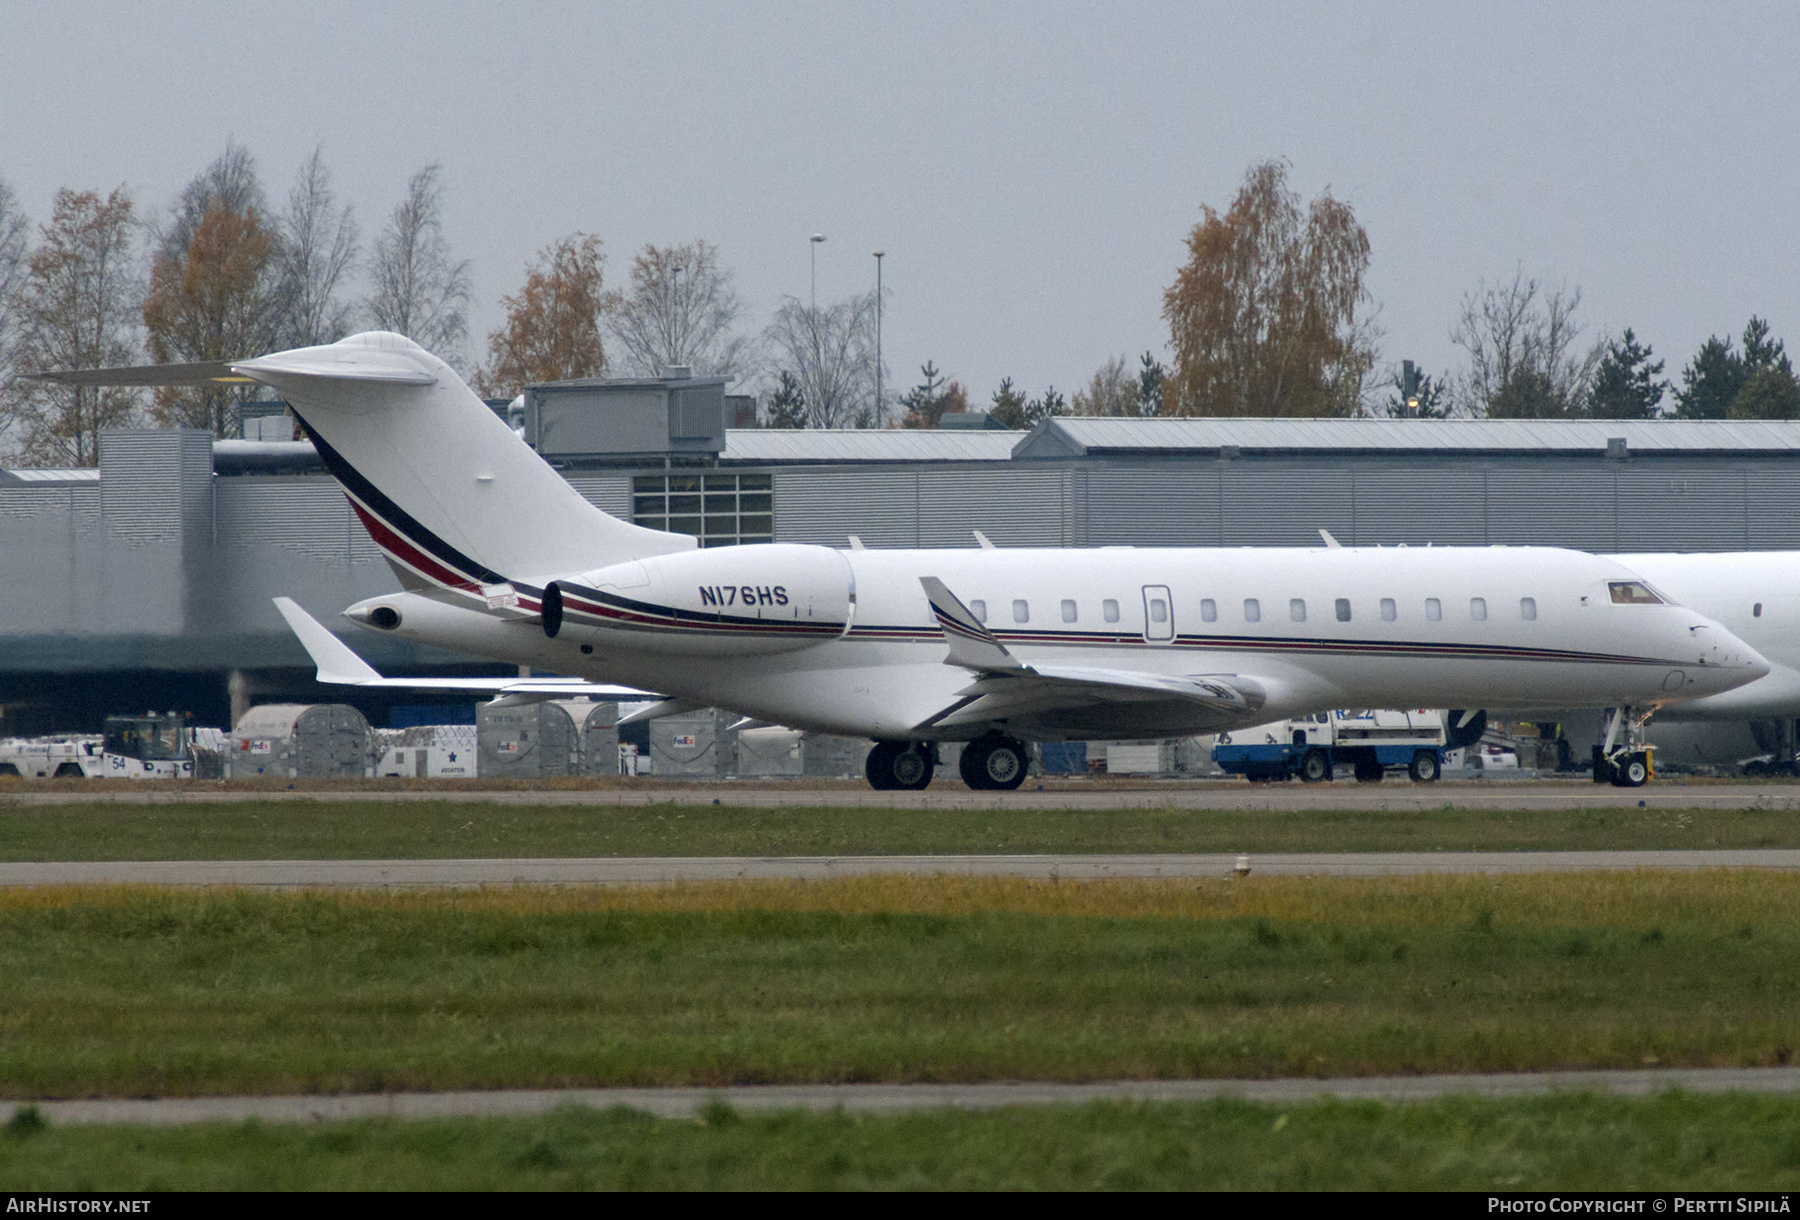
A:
<point x="1030" y="169"/>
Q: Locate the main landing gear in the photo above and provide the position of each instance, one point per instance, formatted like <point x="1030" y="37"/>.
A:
<point x="991" y="763"/>
<point x="995" y="763"/>
<point x="1622" y="759"/>
<point x="901" y="765"/>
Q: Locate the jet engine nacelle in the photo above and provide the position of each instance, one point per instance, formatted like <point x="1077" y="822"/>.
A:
<point x="732" y="601"/>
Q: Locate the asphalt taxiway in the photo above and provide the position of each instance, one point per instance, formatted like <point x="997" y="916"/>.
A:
<point x="663" y="870"/>
<point x="678" y="1103"/>
<point x="1521" y="794"/>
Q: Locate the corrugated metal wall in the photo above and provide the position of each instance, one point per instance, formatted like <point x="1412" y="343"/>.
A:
<point x="610" y="493"/>
<point x="307" y="514"/>
<point x="931" y="506"/>
<point x="1687" y="502"/>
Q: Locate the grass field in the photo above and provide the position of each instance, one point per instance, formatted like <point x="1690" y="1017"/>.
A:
<point x="271" y="830"/>
<point x="129" y="992"/>
<point x="1572" y="1142"/>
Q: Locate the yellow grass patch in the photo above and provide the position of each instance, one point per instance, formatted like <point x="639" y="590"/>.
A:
<point x="1635" y="899"/>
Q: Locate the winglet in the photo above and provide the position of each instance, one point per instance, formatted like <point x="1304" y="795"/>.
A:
<point x="972" y="646"/>
<point x="338" y="666"/>
<point x="1330" y="542"/>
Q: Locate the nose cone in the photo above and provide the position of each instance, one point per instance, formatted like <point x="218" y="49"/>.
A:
<point x="1725" y="662"/>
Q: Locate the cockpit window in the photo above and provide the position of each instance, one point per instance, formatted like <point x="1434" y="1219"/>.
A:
<point x="1632" y="593"/>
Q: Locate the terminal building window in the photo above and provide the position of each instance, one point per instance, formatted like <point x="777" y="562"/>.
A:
<point x="718" y="509"/>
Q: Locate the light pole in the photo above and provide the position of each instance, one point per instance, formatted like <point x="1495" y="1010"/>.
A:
<point x="816" y="239"/>
<point x="879" y="406"/>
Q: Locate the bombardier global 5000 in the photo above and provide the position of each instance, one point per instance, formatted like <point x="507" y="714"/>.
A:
<point x="500" y="557"/>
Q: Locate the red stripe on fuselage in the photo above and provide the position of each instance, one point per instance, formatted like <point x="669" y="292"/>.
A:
<point x="400" y="548"/>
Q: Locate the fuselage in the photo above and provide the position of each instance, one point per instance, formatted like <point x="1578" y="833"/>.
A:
<point x="846" y="641"/>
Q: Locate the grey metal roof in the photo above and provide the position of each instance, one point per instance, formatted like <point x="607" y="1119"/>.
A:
<point x="1067" y="436"/>
<point x="868" y="445"/>
<point x="39" y="478"/>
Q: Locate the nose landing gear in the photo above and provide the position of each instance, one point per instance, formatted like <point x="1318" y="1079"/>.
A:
<point x="1622" y="759"/>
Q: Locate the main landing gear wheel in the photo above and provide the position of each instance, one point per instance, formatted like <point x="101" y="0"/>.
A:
<point x="1315" y="767"/>
<point x="1424" y="767"/>
<point x="900" y="766"/>
<point x="994" y="763"/>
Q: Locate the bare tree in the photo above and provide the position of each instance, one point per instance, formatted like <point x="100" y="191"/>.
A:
<point x="15" y="232"/>
<point x="830" y="353"/>
<point x="318" y="248"/>
<point x="230" y="182"/>
<point x="1523" y="359"/>
<point x="1114" y="390"/>
<point x="552" y="330"/>
<point x="680" y="311"/>
<point x="420" y="292"/>
<point x="78" y="308"/>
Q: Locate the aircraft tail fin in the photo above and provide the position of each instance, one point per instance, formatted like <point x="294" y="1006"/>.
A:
<point x="445" y="488"/>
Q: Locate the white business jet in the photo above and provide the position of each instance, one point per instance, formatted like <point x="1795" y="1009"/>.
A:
<point x="502" y="558"/>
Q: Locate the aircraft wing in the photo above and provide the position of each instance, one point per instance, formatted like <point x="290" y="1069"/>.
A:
<point x="1004" y="688"/>
<point x="339" y="666"/>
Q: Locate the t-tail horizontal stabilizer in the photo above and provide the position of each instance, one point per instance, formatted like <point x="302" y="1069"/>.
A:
<point x="339" y="666"/>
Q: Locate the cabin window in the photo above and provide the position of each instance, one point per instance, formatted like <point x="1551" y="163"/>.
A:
<point x="1109" y="610"/>
<point x="979" y="610"/>
<point x="1632" y="593"/>
<point x="1434" y="610"/>
<point x="1159" y="610"/>
<point x="1297" y="609"/>
<point x="1389" y="611"/>
<point x="1252" y="610"/>
<point x="1068" y="610"/>
<point x="1209" y="610"/>
<point x="1343" y="609"/>
<point x="1528" y="609"/>
<point x="1021" y="610"/>
<point x="1757" y="612"/>
<point x="1478" y="609"/>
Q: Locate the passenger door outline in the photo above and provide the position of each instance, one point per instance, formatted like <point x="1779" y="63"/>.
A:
<point x="1157" y="597"/>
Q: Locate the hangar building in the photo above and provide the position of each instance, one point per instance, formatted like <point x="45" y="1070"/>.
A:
<point x="147" y="582"/>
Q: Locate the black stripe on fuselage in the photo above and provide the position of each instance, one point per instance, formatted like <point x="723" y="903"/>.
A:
<point x="674" y="617"/>
<point x="397" y="518"/>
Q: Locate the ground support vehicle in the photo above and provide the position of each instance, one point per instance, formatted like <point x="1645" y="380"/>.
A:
<point x="1372" y="742"/>
<point x="51" y="758"/>
<point x="151" y="746"/>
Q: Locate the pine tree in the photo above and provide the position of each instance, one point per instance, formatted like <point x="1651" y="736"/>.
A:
<point x="1625" y="385"/>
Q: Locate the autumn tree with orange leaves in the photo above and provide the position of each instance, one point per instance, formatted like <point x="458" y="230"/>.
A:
<point x="213" y="304"/>
<point x="1263" y="317"/>
<point x="552" y="330"/>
